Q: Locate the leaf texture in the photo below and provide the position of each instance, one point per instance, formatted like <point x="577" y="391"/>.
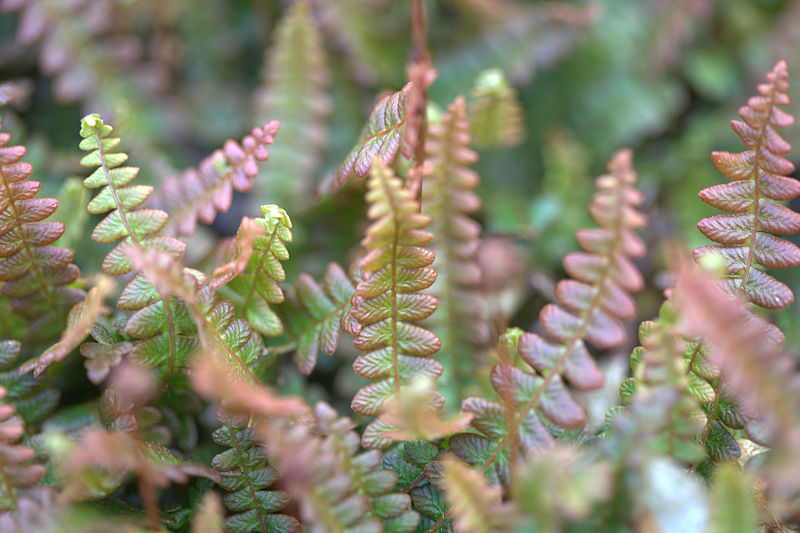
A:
<point x="382" y="137"/>
<point x="198" y="194"/>
<point x="387" y="299"/>
<point x="477" y="506"/>
<point x="36" y="276"/>
<point x="745" y="238"/>
<point x="294" y="91"/>
<point x="246" y="477"/>
<point x="591" y="307"/>
<point x="448" y="197"/>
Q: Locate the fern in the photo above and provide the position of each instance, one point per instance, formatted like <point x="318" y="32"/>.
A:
<point x="32" y="399"/>
<point x="448" y="197"/>
<point x="758" y="175"/>
<point x="246" y="477"/>
<point x="18" y="476"/>
<point x="338" y="490"/>
<point x="495" y="114"/>
<point x="328" y="308"/>
<point x="394" y="271"/>
<point x="198" y="194"/>
<point x="595" y="300"/>
<point x="261" y="253"/>
<point x="661" y="376"/>
<point x="381" y="138"/>
<point x="36" y="276"/>
<point x="477" y="507"/>
<point x="294" y="92"/>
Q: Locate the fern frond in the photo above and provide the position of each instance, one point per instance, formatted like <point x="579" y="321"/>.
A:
<point x="660" y="375"/>
<point x="137" y="228"/>
<point x="338" y="490"/>
<point x="448" y="197"/>
<point x="35" y="275"/>
<point x="198" y="194"/>
<point x="246" y="477"/>
<point x="394" y="271"/>
<point x="757" y="370"/>
<point x="260" y="253"/>
<point x="328" y="307"/>
<point x="477" y="506"/>
<point x="17" y="473"/>
<point x="495" y="113"/>
<point x="213" y="321"/>
<point x="593" y="304"/>
<point x="381" y="138"/>
<point x="746" y="237"/>
<point x="295" y="92"/>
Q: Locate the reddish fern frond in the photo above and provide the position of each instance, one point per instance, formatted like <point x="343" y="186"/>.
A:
<point x="198" y="194"/>
<point x="388" y="298"/>
<point x="747" y="237"/>
<point x="36" y="275"/>
<point x="381" y="138"/>
<point x="592" y="304"/>
<point x="16" y="471"/>
<point x="295" y="92"/>
<point x="448" y="197"/>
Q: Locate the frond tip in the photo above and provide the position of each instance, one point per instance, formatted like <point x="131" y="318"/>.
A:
<point x="746" y="237"/>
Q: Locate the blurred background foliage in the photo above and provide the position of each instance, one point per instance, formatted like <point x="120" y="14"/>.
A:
<point x="179" y="77"/>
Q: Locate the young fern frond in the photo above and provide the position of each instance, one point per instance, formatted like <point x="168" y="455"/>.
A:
<point x="35" y="275"/>
<point x="198" y="194"/>
<point x="246" y="476"/>
<point x="137" y="228"/>
<point x="593" y="303"/>
<point x="295" y="92"/>
<point x="261" y="254"/>
<point x="448" y="197"/>
<point x="495" y="114"/>
<point x="660" y="376"/>
<point x="381" y="138"/>
<point x="747" y="241"/>
<point x="328" y="308"/>
<point x="337" y="489"/>
<point x="394" y="271"/>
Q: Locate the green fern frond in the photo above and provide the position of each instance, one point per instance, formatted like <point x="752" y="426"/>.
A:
<point x="246" y="477"/>
<point x="388" y="298"/>
<point x="448" y="197"/>
<point x="137" y="227"/>
<point x="295" y="92"/>
<point x="322" y="312"/>
<point x="660" y="375"/>
<point x="260" y="255"/>
<point x="495" y="113"/>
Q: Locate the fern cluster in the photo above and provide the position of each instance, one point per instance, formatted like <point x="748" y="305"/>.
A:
<point x="173" y="381"/>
